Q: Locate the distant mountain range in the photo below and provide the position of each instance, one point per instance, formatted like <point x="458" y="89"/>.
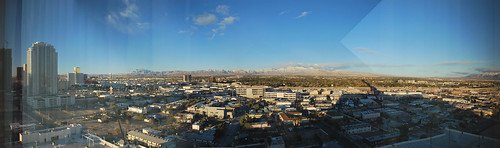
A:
<point x="487" y="75"/>
<point x="296" y="70"/>
<point x="313" y="71"/>
<point x="288" y="70"/>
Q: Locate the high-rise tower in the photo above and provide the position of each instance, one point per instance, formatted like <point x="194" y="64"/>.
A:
<point x="76" y="69"/>
<point x="5" y="95"/>
<point x="186" y="78"/>
<point x="76" y="78"/>
<point x="41" y="70"/>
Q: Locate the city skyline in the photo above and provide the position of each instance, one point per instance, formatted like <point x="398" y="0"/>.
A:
<point x="381" y="37"/>
<point x="256" y="73"/>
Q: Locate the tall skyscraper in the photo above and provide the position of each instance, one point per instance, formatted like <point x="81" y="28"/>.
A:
<point x="41" y="70"/>
<point x="17" y="107"/>
<point x="42" y="78"/>
<point x="76" y="77"/>
<point x="6" y="101"/>
<point x="18" y="94"/>
<point x="25" y="81"/>
<point x="5" y="71"/>
<point x="186" y="78"/>
<point x="76" y="69"/>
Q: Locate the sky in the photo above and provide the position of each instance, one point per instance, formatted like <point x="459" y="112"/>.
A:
<point x="426" y="38"/>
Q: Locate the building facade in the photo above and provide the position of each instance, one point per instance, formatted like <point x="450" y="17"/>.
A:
<point x="148" y="140"/>
<point x="210" y="111"/>
<point x="284" y="95"/>
<point x="251" y="92"/>
<point x="37" y="102"/>
<point x="51" y="134"/>
<point x="41" y="70"/>
<point x="186" y="78"/>
<point x="139" y="110"/>
<point x="357" y="128"/>
<point x="6" y="98"/>
<point x="76" y="78"/>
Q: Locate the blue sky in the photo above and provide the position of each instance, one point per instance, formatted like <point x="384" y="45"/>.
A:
<point x="407" y="38"/>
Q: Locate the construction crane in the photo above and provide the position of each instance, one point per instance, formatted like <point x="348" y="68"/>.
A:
<point x="125" y="142"/>
<point x="373" y="89"/>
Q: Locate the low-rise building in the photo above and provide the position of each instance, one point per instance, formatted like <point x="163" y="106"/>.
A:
<point x="251" y="92"/>
<point x="291" y="119"/>
<point x="483" y="111"/>
<point x="197" y="126"/>
<point x="357" y="128"/>
<point x="451" y="100"/>
<point x="334" y="115"/>
<point x="38" y="102"/>
<point x="139" y="110"/>
<point x="151" y="131"/>
<point x="285" y="95"/>
<point x="260" y="125"/>
<point x="368" y="114"/>
<point x="51" y="134"/>
<point x="147" y="140"/>
<point x="217" y="112"/>
<point x="283" y="104"/>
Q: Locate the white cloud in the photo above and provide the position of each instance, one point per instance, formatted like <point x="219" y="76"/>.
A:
<point x="283" y="12"/>
<point x="127" y="20"/>
<point x="222" y="25"/>
<point x="211" y="20"/>
<point x="367" y="51"/>
<point x="205" y="19"/>
<point x="456" y="63"/>
<point x="228" y="20"/>
<point x="222" y="9"/>
<point x="303" y="14"/>
<point x="189" y="31"/>
<point x="131" y="10"/>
